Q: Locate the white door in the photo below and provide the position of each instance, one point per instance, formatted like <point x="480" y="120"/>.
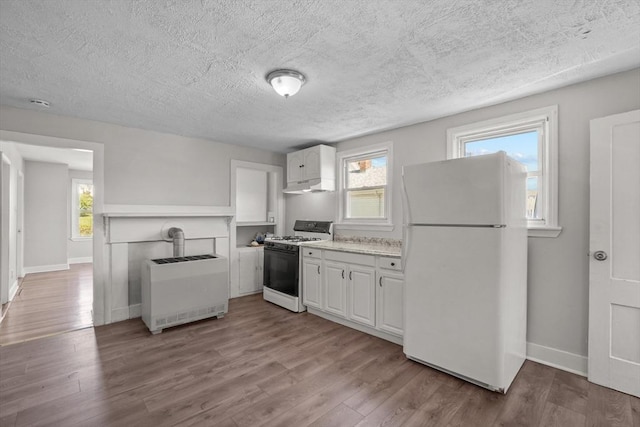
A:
<point x="362" y="294"/>
<point x="248" y="266"/>
<point x="294" y="166"/>
<point x="311" y="168"/>
<point x="335" y="285"/>
<point x="614" y="269"/>
<point x="311" y="283"/>
<point x="391" y="303"/>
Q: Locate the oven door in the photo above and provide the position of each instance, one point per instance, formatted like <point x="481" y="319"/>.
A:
<point x="281" y="270"/>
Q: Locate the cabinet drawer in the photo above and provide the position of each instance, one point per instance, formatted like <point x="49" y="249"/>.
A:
<point x="350" y="258"/>
<point x="311" y="253"/>
<point x="390" y="263"/>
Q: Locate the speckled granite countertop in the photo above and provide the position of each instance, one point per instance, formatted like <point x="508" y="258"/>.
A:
<point x="368" y="248"/>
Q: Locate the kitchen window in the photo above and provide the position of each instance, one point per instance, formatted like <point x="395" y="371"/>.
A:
<point x="81" y="209"/>
<point x="532" y="139"/>
<point x="365" y="187"/>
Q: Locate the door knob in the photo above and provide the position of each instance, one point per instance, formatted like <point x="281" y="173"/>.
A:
<point x="600" y="255"/>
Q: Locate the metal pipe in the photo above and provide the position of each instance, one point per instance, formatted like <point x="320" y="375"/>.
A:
<point x="178" y="241"/>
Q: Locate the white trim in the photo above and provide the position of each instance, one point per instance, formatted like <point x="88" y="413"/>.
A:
<point x="559" y="359"/>
<point x="135" y="310"/>
<point x="165" y="211"/>
<point x="80" y="260"/>
<point x="119" y="314"/>
<point x="381" y="224"/>
<point x="13" y="290"/>
<point x="46" y="268"/>
<point x="546" y="119"/>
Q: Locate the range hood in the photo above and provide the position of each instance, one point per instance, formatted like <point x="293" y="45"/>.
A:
<point x="310" y="186"/>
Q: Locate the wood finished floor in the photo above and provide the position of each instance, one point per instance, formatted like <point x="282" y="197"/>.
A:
<point x="263" y="365"/>
<point x="49" y="303"/>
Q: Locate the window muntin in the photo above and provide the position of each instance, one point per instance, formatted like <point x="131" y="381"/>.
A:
<point x="516" y="135"/>
<point x="82" y="209"/>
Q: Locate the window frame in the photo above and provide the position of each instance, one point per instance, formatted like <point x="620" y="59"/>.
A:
<point x="545" y="121"/>
<point x="342" y="158"/>
<point x="75" y="209"/>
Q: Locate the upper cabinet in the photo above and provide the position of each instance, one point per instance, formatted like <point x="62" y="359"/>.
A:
<point x="311" y="169"/>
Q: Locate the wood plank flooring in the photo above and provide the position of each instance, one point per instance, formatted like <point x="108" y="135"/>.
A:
<point x="263" y="365"/>
<point x="49" y="303"/>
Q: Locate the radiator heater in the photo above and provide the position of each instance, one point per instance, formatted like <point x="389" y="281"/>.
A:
<point x="184" y="289"/>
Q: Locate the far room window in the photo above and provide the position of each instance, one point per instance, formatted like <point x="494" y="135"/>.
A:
<point x="530" y="138"/>
<point x="81" y="209"/>
<point x="365" y="185"/>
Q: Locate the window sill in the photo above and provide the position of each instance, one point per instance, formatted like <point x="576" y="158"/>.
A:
<point x="80" y="239"/>
<point x="544" y="231"/>
<point x="363" y="226"/>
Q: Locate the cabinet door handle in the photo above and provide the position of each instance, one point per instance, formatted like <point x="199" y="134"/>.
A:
<point x="310" y="253"/>
<point x="318" y="269"/>
<point x="393" y="264"/>
<point x="380" y="281"/>
<point x="343" y="274"/>
<point x="350" y="275"/>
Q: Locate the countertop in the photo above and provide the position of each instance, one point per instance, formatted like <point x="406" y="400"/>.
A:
<point x="359" y="248"/>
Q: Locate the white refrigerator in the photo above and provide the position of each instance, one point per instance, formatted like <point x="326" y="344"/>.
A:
<point x="465" y="257"/>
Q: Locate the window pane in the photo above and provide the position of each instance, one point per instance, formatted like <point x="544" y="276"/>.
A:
<point x="522" y="146"/>
<point x="365" y="203"/>
<point x="85" y="210"/>
<point x="533" y="202"/>
<point x="370" y="172"/>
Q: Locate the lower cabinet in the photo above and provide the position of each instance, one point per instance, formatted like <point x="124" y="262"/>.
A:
<point x="251" y="269"/>
<point x="335" y="288"/>
<point x="390" y="308"/>
<point x="362" y="294"/>
<point x="367" y="290"/>
<point x="311" y="282"/>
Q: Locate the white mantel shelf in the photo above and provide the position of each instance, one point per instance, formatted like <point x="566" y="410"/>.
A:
<point x="165" y="211"/>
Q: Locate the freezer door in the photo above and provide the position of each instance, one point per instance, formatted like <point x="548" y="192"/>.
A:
<point x="466" y="191"/>
<point x="455" y="303"/>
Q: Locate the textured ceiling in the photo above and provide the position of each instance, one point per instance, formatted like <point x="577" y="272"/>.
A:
<point x="197" y="67"/>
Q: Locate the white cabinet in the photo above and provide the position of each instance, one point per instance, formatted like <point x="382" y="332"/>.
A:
<point x="316" y="162"/>
<point x="311" y="282"/>
<point x="250" y="269"/>
<point x="362" y="294"/>
<point x="335" y="288"/>
<point x="390" y="309"/>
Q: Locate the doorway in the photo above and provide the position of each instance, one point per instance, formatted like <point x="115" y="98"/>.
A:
<point x="56" y="293"/>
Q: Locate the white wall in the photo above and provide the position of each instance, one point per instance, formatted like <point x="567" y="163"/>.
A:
<point x="140" y="168"/>
<point x="45" y="215"/>
<point x="558" y="267"/>
<point x="78" y="250"/>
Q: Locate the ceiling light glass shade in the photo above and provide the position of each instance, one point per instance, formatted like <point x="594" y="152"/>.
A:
<point x="286" y="82"/>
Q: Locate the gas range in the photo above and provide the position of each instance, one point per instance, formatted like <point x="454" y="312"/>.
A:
<point x="282" y="263"/>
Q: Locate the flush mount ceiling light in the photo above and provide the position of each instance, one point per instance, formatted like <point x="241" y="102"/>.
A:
<point x="286" y="82"/>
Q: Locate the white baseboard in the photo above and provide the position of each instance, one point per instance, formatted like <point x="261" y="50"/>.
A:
<point x="13" y="290"/>
<point x="119" y="314"/>
<point x="559" y="359"/>
<point x="135" y="311"/>
<point x="81" y="260"/>
<point x="45" y="268"/>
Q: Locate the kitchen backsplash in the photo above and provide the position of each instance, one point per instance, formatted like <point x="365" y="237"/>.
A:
<point x="368" y="240"/>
